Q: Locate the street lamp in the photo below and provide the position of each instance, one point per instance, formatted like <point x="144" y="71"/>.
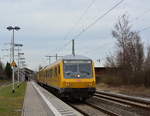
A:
<point x="18" y="45"/>
<point x="10" y="28"/>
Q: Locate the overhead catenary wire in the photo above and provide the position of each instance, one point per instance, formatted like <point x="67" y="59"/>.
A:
<point x="136" y="18"/>
<point x="80" y="18"/>
<point x="64" y="46"/>
<point x="99" y="18"/>
<point x="144" y="29"/>
<point x="93" y="23"/>
<point x="72" y="28"/>
<point x="141" y="15"/>
<point x="93" y="50"/>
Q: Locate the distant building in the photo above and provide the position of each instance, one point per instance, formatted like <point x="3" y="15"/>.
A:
<point x="100" y="70"/>
<point x="104" y="70"/>
<point x="26" y="74"/>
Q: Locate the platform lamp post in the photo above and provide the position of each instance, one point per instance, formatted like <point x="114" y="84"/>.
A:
<point x="10" y="28"/>
<point x="18" y="45"/>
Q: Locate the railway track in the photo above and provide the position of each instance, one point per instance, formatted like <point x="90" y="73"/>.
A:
<point x="124" y="99"/>
<point x="102" y="109"/>
<point x="88" y="108"/>
<point x="106" y="103"/>
<point x="125" y="105"/>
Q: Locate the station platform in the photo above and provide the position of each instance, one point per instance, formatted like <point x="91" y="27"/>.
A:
<point x="40" y="102"/>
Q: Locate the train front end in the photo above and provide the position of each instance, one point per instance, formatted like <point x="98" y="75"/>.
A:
<point x="78" y="78"/>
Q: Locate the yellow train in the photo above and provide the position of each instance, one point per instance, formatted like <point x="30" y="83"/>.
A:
<point x="70" y="77"/>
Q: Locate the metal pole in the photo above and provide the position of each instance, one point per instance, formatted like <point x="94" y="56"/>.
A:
<point x="11" y="49"/>
<point x="49" y="60"/>
<point x="18" y="66"/>
<point x="10" y="53"/>
<point x="73" y="49"/>
<point x="13" y="61"/>
<point x="56" y="57"/>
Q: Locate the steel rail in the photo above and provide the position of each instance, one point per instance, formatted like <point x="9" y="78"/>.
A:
<point x="102" y="109"/>
<point x="79" y="110"/>
<point x="124" y="99"/>
<point x="109" y="112"/>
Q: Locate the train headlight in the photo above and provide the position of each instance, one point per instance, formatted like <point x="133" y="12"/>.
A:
<point x="78" y="75"/>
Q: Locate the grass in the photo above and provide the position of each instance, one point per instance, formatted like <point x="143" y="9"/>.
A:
<point x="11" y="103"/>
<point x="4" y="81"/>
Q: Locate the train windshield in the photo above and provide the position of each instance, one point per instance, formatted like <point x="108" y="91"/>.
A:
<point x="78" y="69"/>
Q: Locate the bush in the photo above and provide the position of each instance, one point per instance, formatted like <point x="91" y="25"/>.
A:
<point x="110" y="79"/>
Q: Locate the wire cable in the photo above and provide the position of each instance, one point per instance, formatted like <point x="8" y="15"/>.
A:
<point x="72" y="28"/>
<point x="144" y="29"/>
<point x="141" y="15"/>
<point x="93" y="23"/>
<point x="99" y="18"/>
<point x="64" y="46"/>
<point x="80" y="18"/>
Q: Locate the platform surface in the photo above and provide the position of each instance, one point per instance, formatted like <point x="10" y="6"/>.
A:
<point x="33" y="103"/>
<point x="40" y="102"/>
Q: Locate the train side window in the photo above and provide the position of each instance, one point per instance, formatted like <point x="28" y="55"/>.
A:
<point x="55" y="70"/>
<point x="46" y="74"/>
<point x="58" y="70"/>
<point x="51" y="73"/>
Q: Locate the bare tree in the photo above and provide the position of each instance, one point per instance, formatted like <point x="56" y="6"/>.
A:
<point x="147" y="69"/>
<point x="110" y="61"/>
<point x="130" y="54"/>
<point x="122" y="34"/>
<point x="130" y="47"/>
<point x="1" y="70"/>
<point x="147" y="60"/>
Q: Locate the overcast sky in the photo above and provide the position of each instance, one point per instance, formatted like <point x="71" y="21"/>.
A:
<point x="45" y="25"/>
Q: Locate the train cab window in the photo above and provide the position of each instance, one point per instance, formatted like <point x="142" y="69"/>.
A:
<point x="71" y="67"/>
<point x="85" y="70"/>
<point x="78" y="69"/>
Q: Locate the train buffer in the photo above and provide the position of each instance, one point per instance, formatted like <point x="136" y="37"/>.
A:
<point x="40" y="102"/>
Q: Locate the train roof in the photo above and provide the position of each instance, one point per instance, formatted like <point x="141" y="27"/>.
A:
<point x="76" y="57"/>
<point x="67" y="57"/>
